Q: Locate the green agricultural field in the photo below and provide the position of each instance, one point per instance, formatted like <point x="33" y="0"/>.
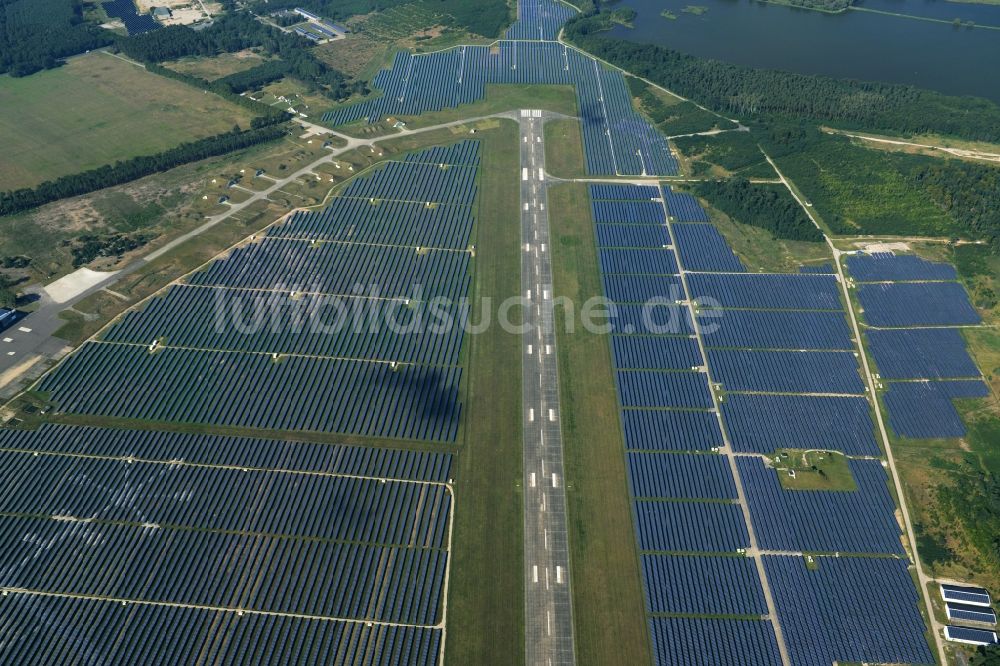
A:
<point x="95" y="110"/>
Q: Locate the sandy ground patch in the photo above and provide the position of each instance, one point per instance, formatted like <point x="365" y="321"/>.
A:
<point x="74" y="284"/>
<point x="873" y="248"/>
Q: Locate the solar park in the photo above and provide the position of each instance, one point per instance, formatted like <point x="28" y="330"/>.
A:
<point x="751" y="363"/>
<point x="159" y="546"/>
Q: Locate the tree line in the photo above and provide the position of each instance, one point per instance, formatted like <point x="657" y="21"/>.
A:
<point x="770" y="94"/>
<point x="124" y="171"/>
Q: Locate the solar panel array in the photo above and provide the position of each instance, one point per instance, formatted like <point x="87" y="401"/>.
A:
<point x="617" y="140"/>
<point x="783" y="360"/>
<point x="702" y="248"/>
<point x="539" y="19"/>
<point x="924" y="410"/>
<point x="904" y="304"/>
<point x="165" y="547"/>
<point x="921" y="353"/>
<point x="848" y="610"/>
<point x="684" y="493"/>
<point x="324" y="324"/>
<point x="888" y="267"/>
<point x="913" y="307"/>
<point x="135" y="23"/>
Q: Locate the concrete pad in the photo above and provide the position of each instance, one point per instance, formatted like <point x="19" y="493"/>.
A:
<point x="70" y="286"/>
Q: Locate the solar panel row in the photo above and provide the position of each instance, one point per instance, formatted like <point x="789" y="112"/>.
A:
<point x="239" y="452"/>
<point x="690" y="527"/>
<point x="887" y="267"/>
<point x="627" y="211"/>
<point x="59" y="630"/>
<point x="712" y="641"/>
<point x="904" y="304"/>
<point x="683" y="207"/>
<point x="406" y="223"/>
<point x="671" y="430"/>
<point x="647" y="388"/>
<point x="623" y="192"/>
<point x="135" y="23"/>
<point x="763" y="423"/>
<point x="680" y="476"/>
<point x="216" y="498"/>
<point x="276" y="322"/>
<point x="702" y="585"/>
<point x="763" y="291"/>
<point x="929" y="353"/>
<point x="702" y="248"/>
<point x="636" y="352"/>
<point x="821" y="372"/>
<point x="632" y="235"/>
<point x="539" y="19"/>
<point x="775" y="329"/>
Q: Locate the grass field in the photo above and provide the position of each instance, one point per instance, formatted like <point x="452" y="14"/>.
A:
<point x="218" y="66"/>
<point x="608" y="605"/>
<point x="486" y="597"/>
<point x="814" y="470"/>
<point x="97" y="109"/>
<point x="161" y="206"/>
<point x="564" y="149"/>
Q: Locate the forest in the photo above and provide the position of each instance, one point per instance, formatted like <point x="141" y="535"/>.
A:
<point x="236" y="32"/>
<point x="768" y="207"/>
<point x="859" y="189"/>
<point x="761" y="94"/>
<point x="36" y="34"/>
<point x="137" y="167"/>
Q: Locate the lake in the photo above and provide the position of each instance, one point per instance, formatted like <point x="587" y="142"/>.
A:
<point x="853" y="44"/>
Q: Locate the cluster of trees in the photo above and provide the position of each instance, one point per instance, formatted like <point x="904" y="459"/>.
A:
<point x="36" y="34"/>
<point x="681" y="118"/>
<point x="766" y="94"/>
<point x="482" y="17"/>
<point x="124" y="171"/>
<point x="764" y="206"/>
<point x="236" y="32"/>
<point x="969" y="193"/>
<point x="88" y="247"/>
<point x="822" y="5"/>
